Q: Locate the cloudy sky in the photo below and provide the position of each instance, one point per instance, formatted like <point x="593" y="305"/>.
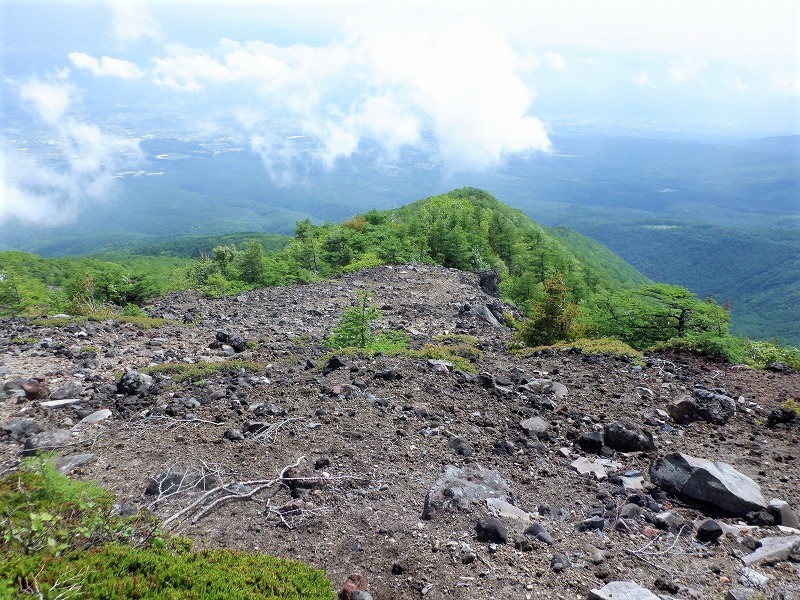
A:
<point x="472" y="82"/>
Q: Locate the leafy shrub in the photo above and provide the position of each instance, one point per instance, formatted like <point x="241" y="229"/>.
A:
<point x="760" y="354"/>
<point x="132" y="310"/>
<point x="728" y="348"/>
<point x="609" y="346"/>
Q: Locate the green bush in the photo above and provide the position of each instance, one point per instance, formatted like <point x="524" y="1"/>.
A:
<point x="61" y="539"/>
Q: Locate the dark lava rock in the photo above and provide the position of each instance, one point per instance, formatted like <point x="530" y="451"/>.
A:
<point x="714" y="407"/>
<point x="134" y="383"/>
<point x="335" y="362"/>
<point x="235" y="341"/>
<point x="47" y="440"/>
<point x="71" y="390"/>
<point x="460" y="446"/>
<point x="761" y="518"/>
<point x="591" y="441"/>
<point x="491" y="529"/>
<point x="626" y="437"/>
<point x="233" y="435"/>
<point x="708" y="531"/>
<point x="591" y="524"/>
<point x="559" y="563"/>
<point x="538" y="532"/>
<point x="19" y="428"/>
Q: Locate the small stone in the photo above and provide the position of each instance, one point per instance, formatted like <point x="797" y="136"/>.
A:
<point x="35" y="390"/>
<point x="760" y="518"/>
<point x="490" y="529"/>
<point x="783" y="513"/>
<point x="559" y="563"/>
<point x="709" y="531"/>
<point x="460" y="446"/>
<point x="626" y="437"/>
<point x="622" y="590"/>
<point x="538" y="532"/>
<point x="591" y="524"/>
<point x="233" y="435"/>
<point x="590" y="442"/>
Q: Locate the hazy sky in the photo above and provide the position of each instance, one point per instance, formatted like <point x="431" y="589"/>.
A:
<point x="475" y="81"/>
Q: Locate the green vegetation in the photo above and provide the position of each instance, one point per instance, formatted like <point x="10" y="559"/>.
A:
<point x="33" y="285"/>
<point x="355" y="330"/>
<point x="61" y="539"/>
<point x="182" y="372"/>
<point x="569" y="286"/>
<point x="608" y="346"/>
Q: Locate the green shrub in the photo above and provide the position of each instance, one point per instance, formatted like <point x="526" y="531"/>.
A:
<point x="728" y="348"/>
<point x="610" y="346"/>
<point x="760" y="354"/>
<point x="132" y="310"/>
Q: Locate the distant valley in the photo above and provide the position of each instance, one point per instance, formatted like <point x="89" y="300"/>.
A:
<point x="719" y="217"/>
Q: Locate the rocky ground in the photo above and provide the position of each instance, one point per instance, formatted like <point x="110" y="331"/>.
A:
<point x="540" y="476"/>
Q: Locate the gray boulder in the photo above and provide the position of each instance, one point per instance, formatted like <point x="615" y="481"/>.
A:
<point x="626" y="437"/>
<point x="713" y="406"/>
<point x="71" y="390"/>
<point x="456" y="488"/>
<point x="484" y="313"/>
<point x="47" y="440"/>
<point x="715" y="483"/>
<point x="783" y="513"/>
<point x="774" y="550"/>
<point x="134" y="383"/>
<point x="533" y="426"/>
<point x="622" y="590"/>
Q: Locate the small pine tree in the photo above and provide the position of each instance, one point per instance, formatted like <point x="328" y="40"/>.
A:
<point x="553" y="316"/>
<point x="353" y="330"/>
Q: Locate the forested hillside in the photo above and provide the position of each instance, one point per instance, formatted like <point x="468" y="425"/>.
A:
<point x="564" y="285"/>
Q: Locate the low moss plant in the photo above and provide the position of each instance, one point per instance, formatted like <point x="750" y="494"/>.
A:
<point x="61" y="539"/>
<point x="194" y="372"/>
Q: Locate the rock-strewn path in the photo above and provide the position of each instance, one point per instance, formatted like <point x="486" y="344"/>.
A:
<point x="536" y="475"/>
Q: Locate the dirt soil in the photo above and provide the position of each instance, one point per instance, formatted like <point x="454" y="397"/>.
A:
<point x="368" y="440"/>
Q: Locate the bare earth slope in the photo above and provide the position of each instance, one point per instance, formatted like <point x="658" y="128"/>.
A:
<point x="365" y="442"/>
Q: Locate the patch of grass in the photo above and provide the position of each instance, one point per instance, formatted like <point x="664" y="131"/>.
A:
<point x="608" y="346"/>
<point x="793" y="406"/>
<point x="182" y="372"/>
<point x="144" y="322"/>
<point x="456" y="339"/>
<point x="451" y="355"/>
<point x="58" y="322"/>
<point x="23" y="341"/>
<point x="60" y="539"/>
<point x="446" y="353"/>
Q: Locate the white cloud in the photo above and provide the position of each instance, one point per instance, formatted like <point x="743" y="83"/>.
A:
<point x="739" y="84"/>
<point x="82" y="173"/>
<point x="105" y="66"/>
<point x="786" y="82"/>
<point x="132" y="21"/>
<point x="460" y="84"/>
<point x="556" y="61"/>
<point x="49" y="100"/>
<point x="684" y="71"/>
<point x="641" y="79"/>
